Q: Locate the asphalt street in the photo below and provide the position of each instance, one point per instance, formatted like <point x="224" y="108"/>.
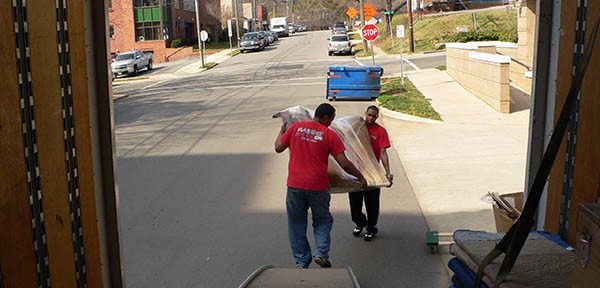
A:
<point x="202" y="193"/>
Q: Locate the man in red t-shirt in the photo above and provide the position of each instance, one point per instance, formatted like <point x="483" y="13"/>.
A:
<point x="311" y="142"/>
<point x="380" y="142"/>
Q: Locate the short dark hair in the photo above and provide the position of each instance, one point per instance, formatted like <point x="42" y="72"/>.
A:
<point x="323" y="110"/>
<point x="374" y="108"/>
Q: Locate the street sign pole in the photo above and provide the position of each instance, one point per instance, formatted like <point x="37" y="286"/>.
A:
<point x="369" y="33"/>
<point x="401" y="62"/>
<point x="391" y="33"/>
<point x="203" y="37"/>
<point x="198" y="30"/>
<point x="400" y="35"/>
<point x="229" y="33"/>
<point x="372" y="52"/>
<point x="203" y="62"/>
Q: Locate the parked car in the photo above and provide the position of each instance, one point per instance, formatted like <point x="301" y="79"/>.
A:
<point x="292" y="29"/>
<point x="274" y="34"/>
<point x="251" y="42"/>
<point x="131" y="62"/>
<point x="339" y="30"/>
<point x="339" y="44"/>
<point x="267" y="36"/>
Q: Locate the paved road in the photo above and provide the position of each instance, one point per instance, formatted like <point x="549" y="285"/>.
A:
<point x="202" y="192"/>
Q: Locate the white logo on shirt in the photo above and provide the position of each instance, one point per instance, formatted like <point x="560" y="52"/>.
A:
<point x="310" y="135"/>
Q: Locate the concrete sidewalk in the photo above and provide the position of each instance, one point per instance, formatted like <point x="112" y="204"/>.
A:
<point x="452" y="164"/>
<point x="196" y="66"/>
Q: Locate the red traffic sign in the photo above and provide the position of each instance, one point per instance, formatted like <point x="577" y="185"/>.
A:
<point x="370" y="32"/>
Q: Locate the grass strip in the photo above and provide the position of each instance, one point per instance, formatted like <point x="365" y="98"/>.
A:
<point x="209" y="65"/>
<point x="405" y="99"/>
<point x="127" y="79"/>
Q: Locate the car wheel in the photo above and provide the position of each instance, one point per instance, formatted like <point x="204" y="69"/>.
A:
<point x="149" y="65"/>
<point x="330" y="54"/>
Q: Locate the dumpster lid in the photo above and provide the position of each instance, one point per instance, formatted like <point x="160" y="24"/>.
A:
<point x="339" y="68"/>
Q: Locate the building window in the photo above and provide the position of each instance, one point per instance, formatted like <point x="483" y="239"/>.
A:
<point x="176" y="4"/>
<point x="111" y="31"/>
<point x="148" y="31"/>
<point x="147" y="15"/>
<point x="145" y="3"/>
<point x="189" y="5"/>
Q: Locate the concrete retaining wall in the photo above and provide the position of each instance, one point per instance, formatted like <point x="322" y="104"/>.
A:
<point x="483" y="73"/>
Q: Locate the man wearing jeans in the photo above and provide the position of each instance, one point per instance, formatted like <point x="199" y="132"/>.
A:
<point x="380" y="142"/>
<point x="311" y="142"/>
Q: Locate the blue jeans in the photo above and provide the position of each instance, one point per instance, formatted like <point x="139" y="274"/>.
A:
<point x="297" y="203"/>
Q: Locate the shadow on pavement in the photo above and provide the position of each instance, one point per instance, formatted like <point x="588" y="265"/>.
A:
<point x="519" y="100"/>
<point x="185" y="218"/>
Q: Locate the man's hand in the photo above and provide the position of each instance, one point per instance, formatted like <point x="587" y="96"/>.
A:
<point x="363" y="182"/>
<point x="390" y="178"/>
<point x="278" y="146"/>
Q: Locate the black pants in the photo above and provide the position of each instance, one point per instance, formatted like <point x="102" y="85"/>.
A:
<point x="371" y="199"/>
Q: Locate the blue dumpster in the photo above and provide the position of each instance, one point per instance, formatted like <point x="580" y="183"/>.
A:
<point x="353" y="82"/>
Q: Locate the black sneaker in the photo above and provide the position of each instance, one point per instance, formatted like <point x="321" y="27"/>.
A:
<point x="322" y="262"/>
<point x="370" y="234"/>
<point x="357" y="230"/>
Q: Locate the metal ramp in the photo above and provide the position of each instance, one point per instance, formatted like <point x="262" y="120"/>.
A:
<point x="270" y="277"/>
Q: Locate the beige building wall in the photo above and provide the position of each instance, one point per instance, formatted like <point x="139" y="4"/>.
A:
<point x="523" y="59"/>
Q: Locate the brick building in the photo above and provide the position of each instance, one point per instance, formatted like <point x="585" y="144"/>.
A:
<point x="151" y="25"/>
<point x="262" y="17"/>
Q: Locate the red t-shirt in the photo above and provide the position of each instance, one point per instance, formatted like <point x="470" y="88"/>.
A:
<point x="310" y="145"/>
<point x="379" y="139"/>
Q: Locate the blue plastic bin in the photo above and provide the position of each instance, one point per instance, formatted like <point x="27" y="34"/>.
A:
<point x="353" y="82"/>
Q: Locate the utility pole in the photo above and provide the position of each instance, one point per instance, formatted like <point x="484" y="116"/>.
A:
<point x="389" y="14"/>
<point x="292" y="9"/>
<point x="198" y="30"/>
<point x="237" y="25"/>
<point x="274" y="7"/>
<point x="253" y="28"/>
<point x="362" y="22"/>
<point x="411" y="43"/>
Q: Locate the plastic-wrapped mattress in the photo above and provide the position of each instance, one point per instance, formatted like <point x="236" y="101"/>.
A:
<point x="354" y="134"/>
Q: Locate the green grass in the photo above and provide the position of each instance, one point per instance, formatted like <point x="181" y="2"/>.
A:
<point x="430" y="32"/>
<point x="234" y="52"/>
<point x="214" y="47"/>
<point x="405" y="99"/>
<point x="131" y="79"/>
<point x="441" y="67"/>
<point x="209" y="65"/>
<point x="359" y="51"/>
<point x="354" y="36"/>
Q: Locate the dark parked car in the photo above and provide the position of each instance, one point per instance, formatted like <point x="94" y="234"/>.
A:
<point x="252" y="42"/>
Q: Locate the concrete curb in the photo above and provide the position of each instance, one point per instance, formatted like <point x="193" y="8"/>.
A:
<point x="195" y="67"/>
<point x="405" y="117"/>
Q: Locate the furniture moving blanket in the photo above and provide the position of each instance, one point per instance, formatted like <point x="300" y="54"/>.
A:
<point x="541" y="263"/>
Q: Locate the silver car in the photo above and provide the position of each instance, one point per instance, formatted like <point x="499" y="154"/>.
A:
<point x="339" y="44"/>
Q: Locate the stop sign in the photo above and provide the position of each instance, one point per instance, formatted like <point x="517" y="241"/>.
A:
<point x="370" y="32"/>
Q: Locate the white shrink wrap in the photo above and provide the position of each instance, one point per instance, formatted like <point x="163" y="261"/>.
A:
<point x="354" y="134"/>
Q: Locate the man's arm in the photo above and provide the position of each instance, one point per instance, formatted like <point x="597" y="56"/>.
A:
<point x="278" y="146"/>
<point x="350" y="168"/>
<point x="385" y="160"/>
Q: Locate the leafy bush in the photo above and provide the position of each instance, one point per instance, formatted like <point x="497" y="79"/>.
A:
<point x="179" y="42"/>
<point x="507" y="35"/>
